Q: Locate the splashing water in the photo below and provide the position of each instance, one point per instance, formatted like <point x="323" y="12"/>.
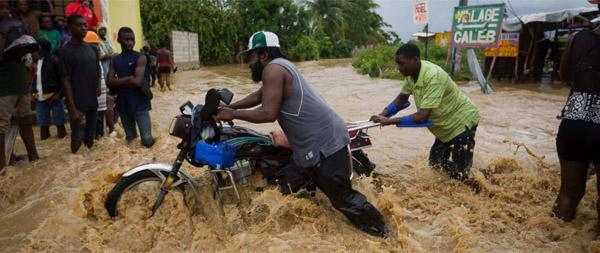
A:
<point x="57" y="203"/>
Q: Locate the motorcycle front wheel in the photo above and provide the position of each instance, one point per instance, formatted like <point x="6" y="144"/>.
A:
<point x="140" y="188"/>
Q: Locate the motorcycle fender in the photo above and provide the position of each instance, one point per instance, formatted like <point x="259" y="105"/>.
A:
<point x="156" y="168"/>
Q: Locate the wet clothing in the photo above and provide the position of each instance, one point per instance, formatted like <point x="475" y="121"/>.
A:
<point x="578" y="136"/>
<point x="86" y="131"/>
<point x="454" y="115"/>
<point x="80" y="62"/>
<point x="43" y="109"/>
<point x="452" y="110"/>
<point x="332" y="176"/>
<point x="319" y="138"/>
<point x="53" y="36"/>
<point x="13" y="105"/>
<point x="460" y="148"/>
<point x="130" y="99"/>
<point x="313" y="129"/>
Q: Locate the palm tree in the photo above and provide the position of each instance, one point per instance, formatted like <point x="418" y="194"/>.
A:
<point x="327" y="15"/>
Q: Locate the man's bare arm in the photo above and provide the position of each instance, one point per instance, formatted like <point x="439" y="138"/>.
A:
<point x="112" y="81"/>
<point x="249" y="101"/>
<point x="138" y="76"/>
<point x="272" y="94"/>
<point x="51" y="9"/>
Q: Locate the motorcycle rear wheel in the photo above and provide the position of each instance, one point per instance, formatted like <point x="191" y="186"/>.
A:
<point x="134" y="182"/>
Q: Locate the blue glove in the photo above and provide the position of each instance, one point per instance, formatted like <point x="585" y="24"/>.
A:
<point x="407" y="121"/>
<point x="393" y="108"/>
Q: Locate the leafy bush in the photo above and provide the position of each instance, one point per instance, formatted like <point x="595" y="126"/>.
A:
<point x="307" y="49"/>
<point x="383" y="57"/>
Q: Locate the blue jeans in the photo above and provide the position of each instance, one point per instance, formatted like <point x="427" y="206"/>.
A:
<point x="85" y="131"/>
<point x="129" y="120"/>
<point x="42" y="112"/>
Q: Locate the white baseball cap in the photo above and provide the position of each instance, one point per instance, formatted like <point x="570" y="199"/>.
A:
<point x="262" y="39"/>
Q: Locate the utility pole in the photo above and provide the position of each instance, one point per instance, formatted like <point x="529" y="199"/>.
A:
<point x="457" y="52"/>
<point x="426" y="38"/>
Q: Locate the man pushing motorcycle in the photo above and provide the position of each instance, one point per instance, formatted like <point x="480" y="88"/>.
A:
<point x="440" y="100"/>
<point x="316" y="133"/>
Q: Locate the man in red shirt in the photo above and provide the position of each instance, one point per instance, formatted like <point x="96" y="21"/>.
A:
<point x="82" y="7"/>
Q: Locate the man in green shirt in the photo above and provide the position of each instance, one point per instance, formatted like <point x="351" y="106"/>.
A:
<point x="440" y="100"/>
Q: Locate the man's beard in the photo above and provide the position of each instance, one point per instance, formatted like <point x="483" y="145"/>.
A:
<point x="257" y="71"/>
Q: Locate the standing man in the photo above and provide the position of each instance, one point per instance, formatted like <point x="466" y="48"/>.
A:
<point x="154" y="63"/>
<point x="440" y="100"/>
<point x="14" y="95"/>
<point x="107" y="51"/>
<point x="132" y="104"/>
<point x="107" y="48"/>
<point x="80" y="65"/>
<point x="48" y="92"/>
<point x="316" y="133"/>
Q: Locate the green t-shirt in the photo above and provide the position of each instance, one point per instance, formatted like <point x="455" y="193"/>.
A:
<point x="53" y="36"/>
<point x="452" y="110"/>
<point x="13" y="73"/>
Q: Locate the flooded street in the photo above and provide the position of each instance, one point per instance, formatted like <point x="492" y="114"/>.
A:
<point x="57" y="203"/>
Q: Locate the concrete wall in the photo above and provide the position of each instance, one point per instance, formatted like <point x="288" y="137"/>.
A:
<point x="185" y="49"/>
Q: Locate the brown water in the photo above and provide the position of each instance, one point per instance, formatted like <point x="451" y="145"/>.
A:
<point x="57" y="203"/>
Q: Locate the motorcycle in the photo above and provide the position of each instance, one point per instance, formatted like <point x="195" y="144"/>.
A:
<point x="268" y="153"/>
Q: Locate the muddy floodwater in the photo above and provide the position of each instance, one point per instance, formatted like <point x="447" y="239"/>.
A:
<point x="57" y="203"/>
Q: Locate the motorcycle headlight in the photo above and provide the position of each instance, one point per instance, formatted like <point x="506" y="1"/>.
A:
<point x="181" y="127"/>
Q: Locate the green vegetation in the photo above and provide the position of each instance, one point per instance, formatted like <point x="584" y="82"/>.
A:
<point x="380" y="62"/>
<point x="307" y="29"/>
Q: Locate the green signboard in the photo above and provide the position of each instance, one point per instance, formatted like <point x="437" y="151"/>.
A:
<point x="477" y="26"/>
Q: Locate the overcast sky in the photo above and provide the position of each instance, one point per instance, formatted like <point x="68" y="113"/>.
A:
<point x="399" y="13"/>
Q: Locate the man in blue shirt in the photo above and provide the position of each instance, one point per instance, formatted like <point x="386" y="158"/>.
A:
<point x="126" y="73"/>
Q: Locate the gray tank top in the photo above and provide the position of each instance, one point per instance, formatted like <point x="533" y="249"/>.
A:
<point x="313" y="129"/>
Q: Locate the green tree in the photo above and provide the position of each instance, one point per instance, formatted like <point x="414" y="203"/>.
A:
<point x="283" y="17"/>
<point x="327" y="15"/>
<point x="216" y="25"/>
<point x="365" y="25"/>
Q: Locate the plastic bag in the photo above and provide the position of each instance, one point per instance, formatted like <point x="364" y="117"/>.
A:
<point x="220" y="155"/>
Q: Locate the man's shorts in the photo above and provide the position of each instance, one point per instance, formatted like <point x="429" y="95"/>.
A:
<point x="17" y="105"/>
